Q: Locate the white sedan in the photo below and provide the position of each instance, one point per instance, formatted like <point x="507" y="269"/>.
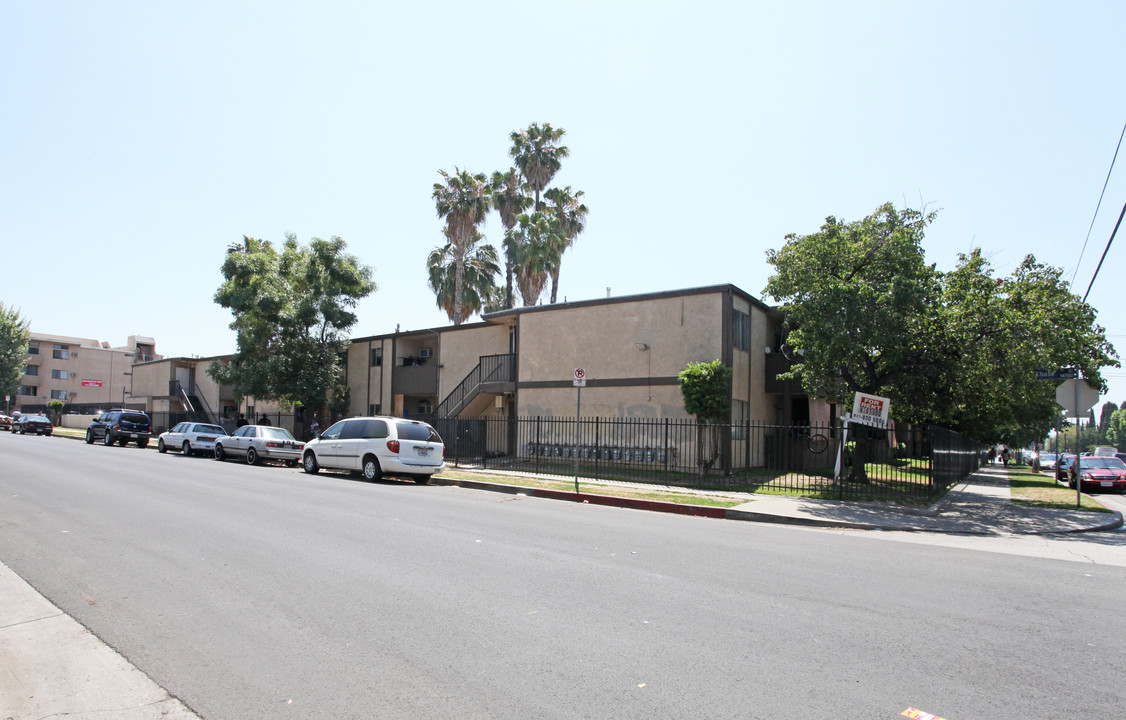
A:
<point x="190" y="438"/>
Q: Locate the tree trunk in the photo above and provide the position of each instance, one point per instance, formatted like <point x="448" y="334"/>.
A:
<point x="860" y="453"/>
<point x="554" y="283"/>
<point x="508" y="299"/>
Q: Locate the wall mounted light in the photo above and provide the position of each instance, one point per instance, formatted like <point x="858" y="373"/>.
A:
<point x="641" y="346"/>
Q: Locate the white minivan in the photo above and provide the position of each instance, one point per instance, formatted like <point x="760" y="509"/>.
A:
<point x="377" y="446"/>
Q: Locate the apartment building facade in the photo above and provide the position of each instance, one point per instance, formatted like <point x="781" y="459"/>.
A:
<point x="82" y="372"/>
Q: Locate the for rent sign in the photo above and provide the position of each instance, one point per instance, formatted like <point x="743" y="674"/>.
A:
<point x="91" y="383"/>
<point x="870" y="410"/>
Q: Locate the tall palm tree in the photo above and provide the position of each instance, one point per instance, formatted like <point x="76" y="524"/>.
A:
<point x="479" y="290"/>
<point x="568" y="209"/>
<point x="538" y="155"/>
<point x="534" y="246"/>
<point x="510" y="199"/>
<point x="464" y="201"/>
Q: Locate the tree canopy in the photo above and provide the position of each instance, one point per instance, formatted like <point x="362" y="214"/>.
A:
<point x="15" y="332"/>
<point x="960" y="349"/>
<point x="292" y="311"/>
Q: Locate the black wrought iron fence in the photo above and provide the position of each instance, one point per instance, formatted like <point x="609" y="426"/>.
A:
<point x="910" y="464"/>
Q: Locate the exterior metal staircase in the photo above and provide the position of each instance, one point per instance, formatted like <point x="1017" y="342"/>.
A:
<point x="494" y="373"/>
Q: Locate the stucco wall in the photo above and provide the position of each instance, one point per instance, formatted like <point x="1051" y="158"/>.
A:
<point x="461" y="350"/>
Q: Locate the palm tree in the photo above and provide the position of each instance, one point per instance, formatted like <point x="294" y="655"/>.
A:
<point x="479" y="290"/>
<point x="535" y="247"/>
<point x="464" y="201"/>
<point x="510" y="199"/>
<point x="568" y="209"/>
<point x="537" y="155"/>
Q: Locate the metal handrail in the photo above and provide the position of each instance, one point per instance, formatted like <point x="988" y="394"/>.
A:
<point x="490" y="368"/>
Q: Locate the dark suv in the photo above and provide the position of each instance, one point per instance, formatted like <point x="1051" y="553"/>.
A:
<point x="120" y="426"/>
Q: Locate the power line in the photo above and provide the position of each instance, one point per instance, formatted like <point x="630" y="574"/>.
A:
<point x="1100" y="203"/>
<point x="1105" y="251"/>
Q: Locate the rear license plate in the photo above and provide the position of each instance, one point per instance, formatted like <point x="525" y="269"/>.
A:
<point x="132" y="435"/>
<point x="423" y="452"/>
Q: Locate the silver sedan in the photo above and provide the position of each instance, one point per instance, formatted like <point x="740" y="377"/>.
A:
<point x="260" y="442"/>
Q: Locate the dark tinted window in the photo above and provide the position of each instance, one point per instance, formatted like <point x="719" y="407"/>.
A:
<point x="135" y="418"/>
<point x="417" y="431"/>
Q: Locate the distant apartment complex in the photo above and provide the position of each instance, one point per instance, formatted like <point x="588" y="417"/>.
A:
<point x="82" y="372"/>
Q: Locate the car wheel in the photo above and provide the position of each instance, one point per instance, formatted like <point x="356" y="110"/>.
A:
<point x="291" y="463"/>
<point x="219" y="454"/>
<point x="187" y="449"/>
<point x="422" y="479"/>
<point x="123" y="442"/>
<point x="251" y="457"/>
<point x="309" y="463"/>
<point x="107" y="439"/>
<point x="371" y="469"/>
<point x="89" y="438"/>
<point x="142" y="444"/>
<point x="160" y="446"/>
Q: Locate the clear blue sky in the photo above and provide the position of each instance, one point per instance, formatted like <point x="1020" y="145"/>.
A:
<point x="140" y="139"/>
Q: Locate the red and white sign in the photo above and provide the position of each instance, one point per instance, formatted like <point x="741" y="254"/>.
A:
<point x="580" y="377"/>
<point x="870" y="410"/>
<point x="91" y="383"/>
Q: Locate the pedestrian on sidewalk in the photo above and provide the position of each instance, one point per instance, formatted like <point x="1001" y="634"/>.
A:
<point x="1005" y="456"/>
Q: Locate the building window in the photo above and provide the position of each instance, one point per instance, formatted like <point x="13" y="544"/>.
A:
<point x="61" y="352"/>
<point x="375" y="409"/>
<point x="32" y="370"/>
<point x="58" y="394"/>
<point x="377" y="357"/>
<point x="33" y="347"/>
<point x="28" y="391"/>
<point x="741" y="330"/>
<point x="59" y="374"/>
<point x="740" y="416"/>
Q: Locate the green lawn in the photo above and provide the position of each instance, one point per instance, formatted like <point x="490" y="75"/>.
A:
<point x="1039" y="490"/>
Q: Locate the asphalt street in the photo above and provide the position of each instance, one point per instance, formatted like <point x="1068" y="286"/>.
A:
<point x="262" y="592"/>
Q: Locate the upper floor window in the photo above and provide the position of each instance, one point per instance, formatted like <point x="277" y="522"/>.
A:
<point x="33" y="347"/>
<point x="741" y="330"/>
<point x="59" y="374"/>
<point x="58" y="394"/>
<point x="376" y="357"/>
<point x="31" y="370"/>
<point x="60" y="352"/>
<point x="28" y="390"/>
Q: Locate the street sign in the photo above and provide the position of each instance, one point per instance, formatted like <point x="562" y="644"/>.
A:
<point x="1067" y="396"/>
<point x="1061" y="374"/>
<point x="580" y="377"/>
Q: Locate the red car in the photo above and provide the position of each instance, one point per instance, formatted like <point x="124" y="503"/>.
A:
<point x="1099" y="473"/>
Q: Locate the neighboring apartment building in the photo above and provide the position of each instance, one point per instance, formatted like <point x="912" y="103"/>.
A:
<point x="84" y="373"/>
<point x="520" y="363"/>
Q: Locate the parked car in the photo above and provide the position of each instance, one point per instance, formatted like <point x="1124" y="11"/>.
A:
<point x="120" y="426"/>
<point x="1063" y="463"/>
<point x="1121" y="456"/>
<point x="190" y="438"/>
<point x="378" y="446"/>
<point x="5" y="422"/>
<point x="260" y="442"/>
<point x="32" y="424"/>
<point x="1099" y="472"/>
<point x="1047" y="461"/>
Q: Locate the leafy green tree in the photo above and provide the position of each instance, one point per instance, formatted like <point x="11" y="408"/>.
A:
<point x="292" y="311"/>
<point x="706" y="389"/>
<point x="464" y="201"/>
<point x="567" y="207"/>
<point x="1116" y="429"/>
<point x="15" y="333"/>
<point x="479" y="289"/>
<point x="510" y="198"/>
<point x="958" y="349"/>
<point x="55" y="407"/>
<point x="538" y="155"/>
<point x="1105" y="414"/>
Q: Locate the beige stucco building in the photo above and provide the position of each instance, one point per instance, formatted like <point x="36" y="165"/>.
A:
<point x="80" y="371"/>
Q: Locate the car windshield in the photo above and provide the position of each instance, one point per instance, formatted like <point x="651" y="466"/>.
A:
<point x="1102" y="464"/>
<point x="274" y="433"/>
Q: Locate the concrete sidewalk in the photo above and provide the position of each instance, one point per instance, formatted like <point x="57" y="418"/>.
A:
<point x="52" y="667"/>
<point x="980" y="505"/>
